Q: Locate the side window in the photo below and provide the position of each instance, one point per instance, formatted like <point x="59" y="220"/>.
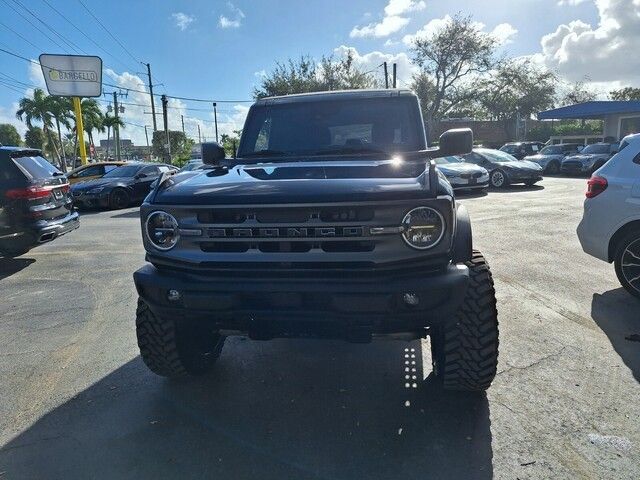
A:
<point x="473" y="158"/>
<point x="8" y="171"/>
<point x="150" y="171"/>
<point x="164" y="168"/>
<point x="108" y="168"/>
<point x="89" y="172"/>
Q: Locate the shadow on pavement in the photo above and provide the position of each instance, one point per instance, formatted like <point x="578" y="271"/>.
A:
<point x="471" y="193"/>
<point x="517" y="188"/>
<point x="286" y="409"/>
<point x="617" y="313"/>
<point x="9" y="266"/>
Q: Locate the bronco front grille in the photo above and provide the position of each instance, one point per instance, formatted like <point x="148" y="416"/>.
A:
<point x="293" y="235"/>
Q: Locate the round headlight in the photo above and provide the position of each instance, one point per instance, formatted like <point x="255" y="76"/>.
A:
<point x="423" y="228"/>
<point x="162" y="230"/>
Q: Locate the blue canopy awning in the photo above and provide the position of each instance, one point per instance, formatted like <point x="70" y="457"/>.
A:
<point x="591" y="110"/>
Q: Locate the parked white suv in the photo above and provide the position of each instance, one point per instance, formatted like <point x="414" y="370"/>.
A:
<point x="610" y="226"/>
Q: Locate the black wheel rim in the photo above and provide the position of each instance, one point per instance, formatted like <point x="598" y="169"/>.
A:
<point x="630" y="264"/>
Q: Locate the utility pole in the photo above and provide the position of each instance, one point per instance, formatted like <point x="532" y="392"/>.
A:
<point x="215" y="119"/>
<point x="386" y="75"/>
<point x="148" y="148"/>
<point x="153" y="107"/>
<point x="166" y="127"/>
<point x="395" y="68"/>
<point x="182" y="120"/>
<point x="199" y="140"/>
<point x="116" y="127"/>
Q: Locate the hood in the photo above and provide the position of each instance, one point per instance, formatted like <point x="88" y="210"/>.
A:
<point x="293" y="182"/>
<point x="587" y="157"/>
<point x="100" y="182"/>
<point x="543" y="158"/>
<point x="458" y="168"/>
<point x="517" y="165"/>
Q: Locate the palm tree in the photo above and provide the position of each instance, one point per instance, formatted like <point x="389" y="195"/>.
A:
<point x="92" y="118"/>
<point x="60" y="108"/>
<point x="38" y="108"/>
<point x="111" y="121"/>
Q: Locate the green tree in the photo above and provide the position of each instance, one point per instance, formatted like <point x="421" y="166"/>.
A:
<point x="109" y="122"/>
<point x="60" y="108"/>
<point x="517" y="89"/>
<point x="306" y="75"/>
<point x="92" y="118"/>
<point x="9" y="135"/>
<point x="34" y="138"/>
<point x="230" y="142"/>
<point x="38" y="108"/>
<point x="450" y="59"/>
<point x="180" y="146"/>
<point x="625" y="94"/>
<point x="578" y="93"/>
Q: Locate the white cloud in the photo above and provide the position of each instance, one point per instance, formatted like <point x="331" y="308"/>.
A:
<point x="570" y="2"/>
<point x="371" y="62"/>
<point x="8" y="115"/>
<point x="504" y="33"/>
<point x="234" y="20"/>
<point x="604" y="53"/>
<point x="35" y="75"/>
<point x="392" y="21"/>
<point x="183" y="20"/>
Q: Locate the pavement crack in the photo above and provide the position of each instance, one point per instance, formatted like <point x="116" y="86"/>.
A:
<point x="534" y="363"/>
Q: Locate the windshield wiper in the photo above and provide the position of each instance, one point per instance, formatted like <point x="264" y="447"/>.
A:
<point x="347" y="149"/>
<point x="266" y="153"/>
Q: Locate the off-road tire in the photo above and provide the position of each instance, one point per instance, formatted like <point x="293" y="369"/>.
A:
<point x="119" y="198"/>
<point x="627" y="248"/>
<point x="465" y="351"/>
<point x="175" y="349"/>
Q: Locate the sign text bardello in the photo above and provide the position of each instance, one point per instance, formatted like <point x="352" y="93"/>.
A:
<point x="73" y="75"/>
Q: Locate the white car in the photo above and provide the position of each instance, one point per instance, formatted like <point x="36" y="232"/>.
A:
<point x="610" y="226"/>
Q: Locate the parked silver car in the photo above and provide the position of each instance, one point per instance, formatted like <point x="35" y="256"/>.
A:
<point x="590" y="159"/>
<point x="550" y="157"/>
<point x="462" y="175"/>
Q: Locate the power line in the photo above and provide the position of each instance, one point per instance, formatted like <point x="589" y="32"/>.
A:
<point x="84" y="34"/>
<point x="71" y="44"/>
<point x="108" y="32"/>
<point x="33" y="25"/>
<point x="21" y="36"/>
<point x="133" y="89"/>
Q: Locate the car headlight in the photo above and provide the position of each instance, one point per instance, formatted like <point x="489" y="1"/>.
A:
<point x="162" y="230"/>
<point x="95" y="191"/>
<point x="423" y="228"/>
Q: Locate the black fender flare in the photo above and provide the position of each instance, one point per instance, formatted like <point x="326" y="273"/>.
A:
<point x="463" y="240"/>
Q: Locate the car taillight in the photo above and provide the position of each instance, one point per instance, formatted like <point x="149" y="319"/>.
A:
<point x="34" y="192"/>
<point x="595" y="186"/>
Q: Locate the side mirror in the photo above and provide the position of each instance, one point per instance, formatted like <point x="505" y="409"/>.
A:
<point x="212" y="153"/>
<point x="457" y="141"/>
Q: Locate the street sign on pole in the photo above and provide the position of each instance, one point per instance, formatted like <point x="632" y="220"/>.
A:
<point x="72" y="75"/>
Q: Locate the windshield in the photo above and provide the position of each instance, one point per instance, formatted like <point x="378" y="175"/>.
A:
<point x="124" y="171"/>
<point x="191" y="166"/>
<point x="445" y="160"/>
<point x="596" y="148"/>
<point x="552" y="150"/>
<point x="498" y="156"/>
<point x="353" y="126"/>
<point x="510" y="148"/>
<point x="37" y="167"/>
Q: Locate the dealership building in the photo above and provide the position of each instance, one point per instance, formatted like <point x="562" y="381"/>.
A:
<point x="620" y="118"/>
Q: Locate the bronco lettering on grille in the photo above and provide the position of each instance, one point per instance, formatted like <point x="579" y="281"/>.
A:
<point x="290" y="232"/>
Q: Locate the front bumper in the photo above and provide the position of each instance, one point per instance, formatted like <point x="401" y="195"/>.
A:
<point x="575" y="169"/>
<point x="521" y="177"/>
<point x="355" y="308"/>
<point x="472" y="183"/>
<point x="85" y="200"/>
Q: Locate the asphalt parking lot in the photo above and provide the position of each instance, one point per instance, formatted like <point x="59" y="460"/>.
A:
<point x="77" y="402"/>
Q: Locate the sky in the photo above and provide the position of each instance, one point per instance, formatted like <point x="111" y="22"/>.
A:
<point x="218" y="50"/>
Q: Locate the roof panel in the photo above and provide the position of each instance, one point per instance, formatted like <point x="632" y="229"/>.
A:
<point x="597" y="110"/>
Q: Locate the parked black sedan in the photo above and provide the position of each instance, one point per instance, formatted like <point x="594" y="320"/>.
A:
<point x="120" y="187"/>
<point x="35" y="206"/>
<point x="503" y="168"/>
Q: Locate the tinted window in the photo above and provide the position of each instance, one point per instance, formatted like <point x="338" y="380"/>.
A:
<point x="511" y="148"/>
<point x="498" y="156"/>
<point x="124" y="171"/>
<point x="36" y="167"/>
<point x="473" y="157"/>
<point x="90" y="172"/>
<point x="150" y="171"/>
<point x="597" y="148"/>
<point x="552" y="150"/>
<point x="108" y="168"/>
<point x="387" y="124"/>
